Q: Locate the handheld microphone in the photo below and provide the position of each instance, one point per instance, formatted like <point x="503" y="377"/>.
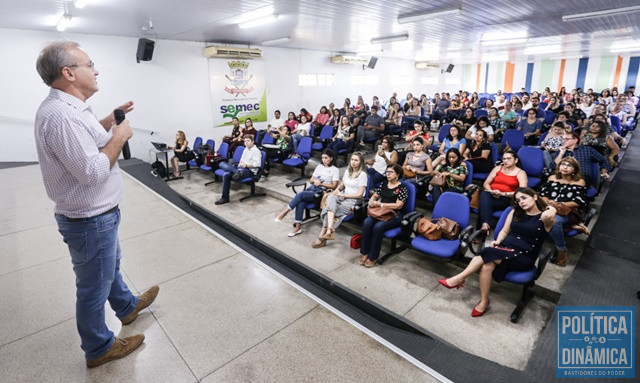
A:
<point x="119" y="115"/>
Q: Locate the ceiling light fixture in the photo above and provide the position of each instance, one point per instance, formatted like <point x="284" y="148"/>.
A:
<point x="630" y="48"/>
<point x="282" y="40"/>
<point x="64" y="22"/>
<point x="413" y="17"/>
<point x="259" y="21"/>
<point x="603" y="13"/>
<point x="542" y="49"/>
<point x="390" y="39"/>
<point x="80" y="3"/>
<point x="574" y="57"/>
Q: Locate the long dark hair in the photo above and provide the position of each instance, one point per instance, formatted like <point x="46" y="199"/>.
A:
<point x="518" y="212"/>
<point x="458" y="161"/>
<point x="332" y="155"/>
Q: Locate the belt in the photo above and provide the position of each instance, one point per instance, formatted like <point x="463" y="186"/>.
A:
<point x="112" y="210"/>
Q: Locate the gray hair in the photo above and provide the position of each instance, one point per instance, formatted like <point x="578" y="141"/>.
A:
<point x="53" y="58"/>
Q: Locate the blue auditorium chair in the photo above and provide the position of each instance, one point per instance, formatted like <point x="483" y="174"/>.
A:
<point x="223" y="153"/>
<point x="304" y="153"/>
<point x="515" y="139"/>
<point x="532" y="162"/>
<point x="196" y="148"/>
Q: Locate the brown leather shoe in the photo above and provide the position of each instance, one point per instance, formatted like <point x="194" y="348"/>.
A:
<point x="144" y="300"/>
<point x="121" y="347"/>
<point x="318" y="243"/>
<point x="561" y="259"/>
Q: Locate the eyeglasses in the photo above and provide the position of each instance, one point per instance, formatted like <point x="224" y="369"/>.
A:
<point x="567" y="164"/>
<point x="91" y="65"/>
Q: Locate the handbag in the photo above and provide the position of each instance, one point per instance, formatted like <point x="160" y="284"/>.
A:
<point x="448" y="228"/>
<point x="475" y="199"/>
<point x="356" y="241"/>
<point x="381" y="213"/>
<point x="437" y="180"/>
<point x="408" y="173"/>
<point x="429" y="229"/>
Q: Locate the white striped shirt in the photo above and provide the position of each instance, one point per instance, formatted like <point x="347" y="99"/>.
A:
<point x="77" y="176"/>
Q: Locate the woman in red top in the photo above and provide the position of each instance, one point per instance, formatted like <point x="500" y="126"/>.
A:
<point x="499" y="188"/>
<point x="419" y="130"/>
<point x="292" y="122"/>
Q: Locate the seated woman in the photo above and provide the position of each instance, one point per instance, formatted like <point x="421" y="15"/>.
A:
<point x="552" y="143"/>
<point x="248" y="130"/>
<point x="515" y="249"/>
<point x="419" y="130"/>
<point x="478" y="152"/>
<point x="282" y="150"/>
<point x="305" y="112"/>
<point x="417" y="164"/>
<point x="468" y="119"/>
<point x="453" y="140"/>
<point x="599" y="139"/>
<point x="302" y="130"/>
<point x="412" y="114"/>
<point x="394" y="116"/>
<point x="340" y="203"/>
<point x="390" y="194"/>
<point x="482" y="124"/>
<point x="292" y="122"/>
<point x="335" y="119"/>
<point x="566" y="187"/>
<point x="531" y="126"/>
<point x="321" y="119"/>
<point x="499" y="187"/>
<point x="497" y="124"/>
<point x="345" y="134"/>
<point x="455" y="172"/>
<point x="384" y="157"/>
<point x="180" y="152"/>
<point x="325" y="175"/>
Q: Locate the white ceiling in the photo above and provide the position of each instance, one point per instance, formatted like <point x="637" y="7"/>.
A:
<point x="347" y="26"/>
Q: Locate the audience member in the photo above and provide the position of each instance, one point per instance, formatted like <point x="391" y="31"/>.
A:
<point x="180" y="152"/>
<point x="385" y="156"/>
<point x="248" y="166"/>
<point x="515" y="249"/>
<point x="585" y="155"/>
<point x="392" y="195"/>
<point x="454" y="170"/>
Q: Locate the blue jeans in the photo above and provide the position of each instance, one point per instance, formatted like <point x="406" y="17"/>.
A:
<point x="226" y="178"/>
<point x="373" y="234"/>
<point x="557" y="232"/>
<point x="296" y="140"/>
<point x="487" y="205"/>
<point x="299" y="202"/>
<point x="376" y="178"/>
<point x="95" y="255"/>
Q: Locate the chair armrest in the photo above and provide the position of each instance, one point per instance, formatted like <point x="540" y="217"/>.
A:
<point x="465" y="242"/>
<point x="543" y="258"/>
<point x="408" y="223"/>
<point x="478" y="234"/>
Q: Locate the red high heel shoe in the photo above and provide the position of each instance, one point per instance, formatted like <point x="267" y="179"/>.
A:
<point x="476" y="313"/>
<point x="444" y="283"/>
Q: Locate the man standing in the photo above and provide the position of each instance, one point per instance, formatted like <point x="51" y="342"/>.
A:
<point x="78" y="159"/>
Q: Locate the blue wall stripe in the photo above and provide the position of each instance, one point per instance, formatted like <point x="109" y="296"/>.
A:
<point x="527" y="82"/>
<point x="486" y="78"/>
<point x="632" y="74"/>
<point x="582" y="72"/>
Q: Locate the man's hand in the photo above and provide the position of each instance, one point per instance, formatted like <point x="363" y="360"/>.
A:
<point x="110" y="120"/>
<point x="122" y="132"/>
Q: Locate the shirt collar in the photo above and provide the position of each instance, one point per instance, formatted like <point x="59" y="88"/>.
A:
<point x="69" y="99"/>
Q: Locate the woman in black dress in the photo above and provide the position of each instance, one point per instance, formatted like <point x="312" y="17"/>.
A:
<point x="515" y="249"/>
<point x="180" y="152"/>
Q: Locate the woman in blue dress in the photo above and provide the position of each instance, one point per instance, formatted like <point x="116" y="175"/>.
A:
<point x="515" y="249"/>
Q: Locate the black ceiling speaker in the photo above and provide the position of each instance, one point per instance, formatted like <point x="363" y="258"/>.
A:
<point x="449" y="68"/>
<point x="372" y="62"/>
<point x="145" y="50"/>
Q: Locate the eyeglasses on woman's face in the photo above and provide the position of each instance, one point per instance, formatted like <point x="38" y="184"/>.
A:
<point x="567" y="164"/>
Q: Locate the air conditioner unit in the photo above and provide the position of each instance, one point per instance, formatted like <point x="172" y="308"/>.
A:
<point x="343" y="59"/>
<point x="427" y="65"/>
<point x="232" y="52"/>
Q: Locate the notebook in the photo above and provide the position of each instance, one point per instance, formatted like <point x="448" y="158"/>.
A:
<point x="159" y="145"/>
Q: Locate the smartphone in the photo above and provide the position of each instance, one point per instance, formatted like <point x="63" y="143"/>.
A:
<point x="504" y="248"/>
<point x="379" y="147"/>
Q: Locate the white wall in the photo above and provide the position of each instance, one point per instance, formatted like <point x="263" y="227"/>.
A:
<point x="172" y="92"/>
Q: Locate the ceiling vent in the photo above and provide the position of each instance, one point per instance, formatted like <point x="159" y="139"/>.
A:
<point x="232" y="52"/>
<point x="343" y="59"/>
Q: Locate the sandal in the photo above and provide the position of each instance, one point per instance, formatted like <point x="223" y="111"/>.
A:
<point x="319" y="242"/>
<point x="330" y="234"/>
<point x="581" y="228"/>
<point x="362" y="260"/>
<point x="369" y="263"/>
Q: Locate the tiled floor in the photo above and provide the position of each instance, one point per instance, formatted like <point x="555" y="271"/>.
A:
<point x="406" y="284"/>
<point x="220" y="315"/>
